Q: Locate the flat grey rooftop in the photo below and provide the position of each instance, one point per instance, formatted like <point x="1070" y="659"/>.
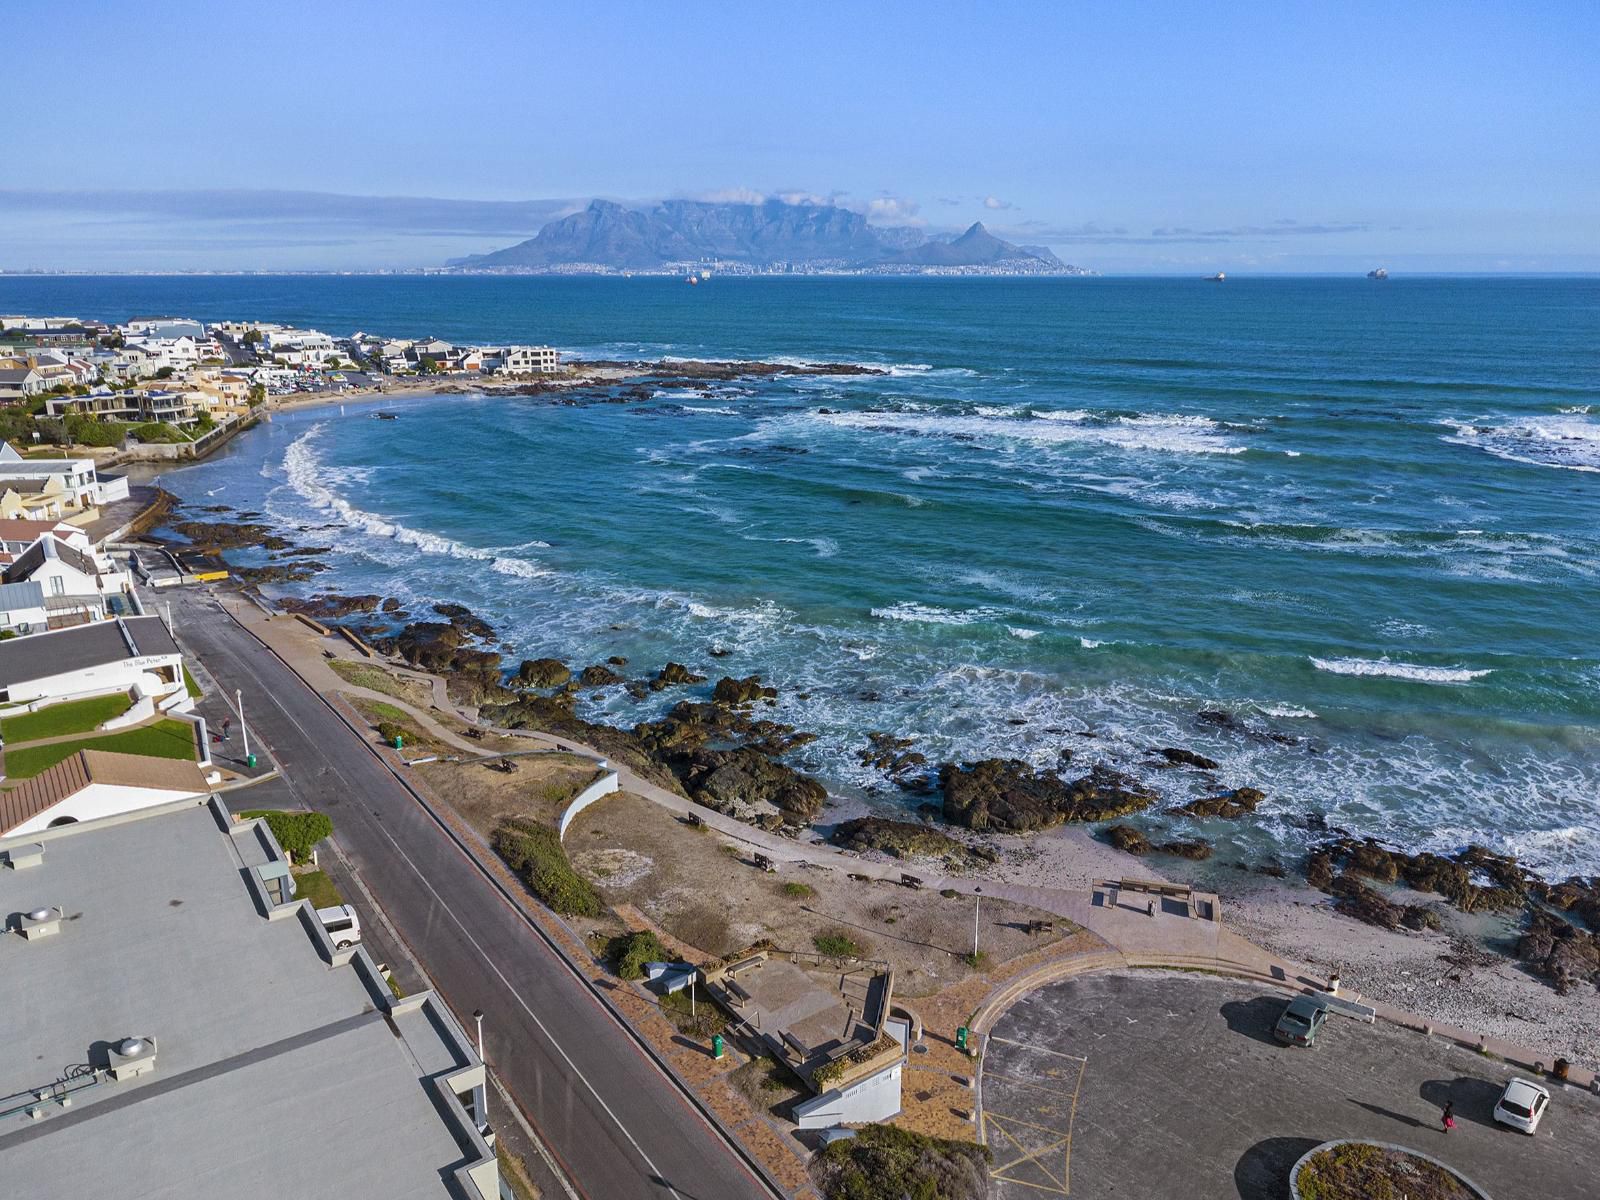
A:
<point x="42" y="655"/>
<point x="272" y="1064"/>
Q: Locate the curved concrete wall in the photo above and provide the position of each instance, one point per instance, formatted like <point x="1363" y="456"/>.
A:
<point x="603" y="786"/>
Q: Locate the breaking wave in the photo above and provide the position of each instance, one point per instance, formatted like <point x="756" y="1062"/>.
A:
<point x="1415" y="672"/>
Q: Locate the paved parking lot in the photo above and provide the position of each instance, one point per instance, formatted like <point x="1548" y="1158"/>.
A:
<point x="1159" y="1084"/>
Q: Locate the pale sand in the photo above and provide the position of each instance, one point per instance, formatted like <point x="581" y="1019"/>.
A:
<point x="1492" y="995"/>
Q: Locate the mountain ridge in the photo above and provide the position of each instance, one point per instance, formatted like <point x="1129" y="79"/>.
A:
<point x="770" y="234"/>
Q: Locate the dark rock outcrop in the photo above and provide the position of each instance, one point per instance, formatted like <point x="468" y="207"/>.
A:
<point x="330" y="605"/>
<point x="895" y="758"/>
<point x="599" y="675"/>
<point x="735" y="693"/>
<point x="1190" y="848"/>
<point x="215" y="536"/>
<point x="1177" y="756"/>
<point x="543" y="673"/>
<point x="673" y="675"/>
<point x="1356" y="899"/>
<point x="1128" y="839"/>
<point x="1559" y="951"/>
<point x="734" y="780"/>
<point x="902" y="839"/>
<point x="1009" y="794"/>
<point x="1228" y="805"/>
<point x="464" y="619"/>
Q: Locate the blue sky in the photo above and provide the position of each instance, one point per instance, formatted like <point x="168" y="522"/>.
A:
<point x="1158" y="137"/>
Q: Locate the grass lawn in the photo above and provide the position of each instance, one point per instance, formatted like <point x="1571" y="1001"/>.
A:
<point x="165" y="739"/>
<point x="376" y="679"/>
<point x="192" y="687"/>
<point x="316" y="887"/>
<point x="75" y="716"/>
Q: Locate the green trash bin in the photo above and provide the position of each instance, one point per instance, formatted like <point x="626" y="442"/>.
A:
<point x="399" y="741"/>
<point x="718" y="1049"/>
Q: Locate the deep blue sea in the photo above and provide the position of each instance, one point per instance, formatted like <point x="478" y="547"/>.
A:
<point x="1363" y="515"/>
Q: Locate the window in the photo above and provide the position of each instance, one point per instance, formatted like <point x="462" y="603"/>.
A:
<point x="58" y="586"/>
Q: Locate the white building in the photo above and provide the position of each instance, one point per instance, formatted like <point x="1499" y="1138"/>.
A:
<point x="522" y="360"/>
<point x="133" y="654"/>
<point x="192" y="1031"/>
<point x="21" y="383"/>
<point x="164" y="327"/>
<point x="78" y="478"/>
<point x="79" y="585"/>
<point x="22" y="608"/>
<point x="98" y="783"/>
<point x="299" y="347"/>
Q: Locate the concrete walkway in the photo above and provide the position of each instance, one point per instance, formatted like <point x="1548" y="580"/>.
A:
<point x="1166" y="938"/>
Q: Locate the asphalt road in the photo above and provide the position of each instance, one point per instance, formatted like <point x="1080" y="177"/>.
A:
<point x="1154" y="1084"/>
<point x="620" y="1127"/>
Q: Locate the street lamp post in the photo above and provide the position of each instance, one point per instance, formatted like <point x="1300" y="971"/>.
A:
<point x="483" y="1117"/>
<point x="244" y="730"/>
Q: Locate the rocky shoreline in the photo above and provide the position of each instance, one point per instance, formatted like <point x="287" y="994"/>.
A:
<point x="725" y="751"/>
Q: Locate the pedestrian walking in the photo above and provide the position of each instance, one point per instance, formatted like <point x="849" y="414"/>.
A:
<point x="1448" y="1117"/>
<point x="227" y="727"/>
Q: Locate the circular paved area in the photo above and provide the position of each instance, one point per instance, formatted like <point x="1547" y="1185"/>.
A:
<point x="1159" y="1084"/>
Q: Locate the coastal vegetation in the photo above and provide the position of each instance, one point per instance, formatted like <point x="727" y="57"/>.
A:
<point x="885" y="1162"/>
<point x="297" y="832"/>
<point x="1365" y="1171"/>
<point x="535" y="853"/>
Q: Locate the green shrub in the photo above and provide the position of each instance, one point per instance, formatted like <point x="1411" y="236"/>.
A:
<point x="297" y="832"/>
<point x="798" y="891"/>
<point x="389" y="730"/>
<point x="836" y="944"/>
<point x="629" y="953"/>
<point x="534" y="852"/>
<point x="883" y="1162"/>
<point x="949" y="893"/>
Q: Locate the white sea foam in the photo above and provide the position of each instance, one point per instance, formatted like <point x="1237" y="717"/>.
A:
<point x="1018" y="631"/>
<point x="931" y="614"/>
<point x="1172" y="434"/>
<point x="1569" y="442"/>
<point x="1397" y="670"/>
<point x="825" y="547"/>
<point x="1090" y="643"/>
<point x="303" y="470"/>
<point x="1285" y="711"/>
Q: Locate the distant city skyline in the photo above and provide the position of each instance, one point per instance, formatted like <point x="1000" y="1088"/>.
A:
<point x="1164" y="139"/>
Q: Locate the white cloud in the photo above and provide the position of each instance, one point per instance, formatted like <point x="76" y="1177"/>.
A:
<point x="893" y="210"/>
<point x="995" y="203"/>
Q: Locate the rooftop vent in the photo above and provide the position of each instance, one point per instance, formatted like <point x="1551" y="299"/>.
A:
<point x="21" y="857"/>
<point x="39" y="922"/>
<point x="131" y="1057"/>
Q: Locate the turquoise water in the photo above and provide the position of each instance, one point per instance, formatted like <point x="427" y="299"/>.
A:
<point x="1364" y="516"/>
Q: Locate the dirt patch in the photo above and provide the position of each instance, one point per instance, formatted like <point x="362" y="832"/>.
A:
<point x="380" y="679"/>
<point x="539" y="789"/>
<point x="706" y="892"/>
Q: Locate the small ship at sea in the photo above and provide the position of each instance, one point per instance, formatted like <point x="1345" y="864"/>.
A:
<point x="1378" y="273"/>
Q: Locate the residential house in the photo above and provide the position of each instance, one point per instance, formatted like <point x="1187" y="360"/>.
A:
<point x="299" y="347"/>
<point x="92" y="784"/>
<point x="21" y="383"/>
<point x="83" y="488"/>
<point x="17" y="535"/>
<point x="80" y="585"/>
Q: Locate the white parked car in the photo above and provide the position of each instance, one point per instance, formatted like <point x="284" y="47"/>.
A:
<point x="342" y="924"/>
<point x="1521" y="1105"/>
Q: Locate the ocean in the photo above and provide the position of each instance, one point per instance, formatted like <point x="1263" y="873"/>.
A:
<point x="1362" y="519"/>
